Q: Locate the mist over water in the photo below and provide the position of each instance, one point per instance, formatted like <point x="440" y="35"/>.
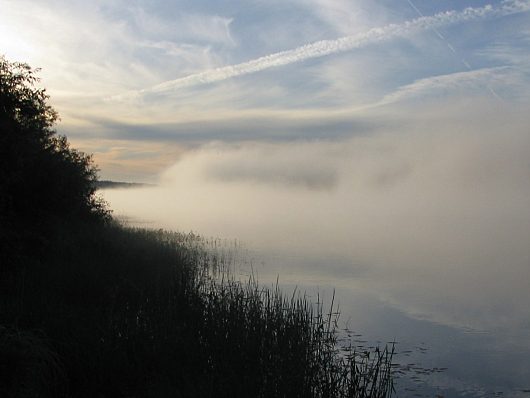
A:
<point x="432" y="218"/>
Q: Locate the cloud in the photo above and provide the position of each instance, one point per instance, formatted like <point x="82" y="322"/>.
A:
<point x="272" y="126"/>
<point x="478" y="79"/>
<point x="347" y="17"/>
<point x="327" y="47"/>
<point x="126" y="160"/>
<point x="183" y="27"/>
<point x="105" y="47"/>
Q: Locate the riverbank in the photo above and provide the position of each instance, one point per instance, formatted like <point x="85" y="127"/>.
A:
<point x="111" y="311"/>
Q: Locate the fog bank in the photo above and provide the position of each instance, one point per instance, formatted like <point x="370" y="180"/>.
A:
<point x="433" y="214"/>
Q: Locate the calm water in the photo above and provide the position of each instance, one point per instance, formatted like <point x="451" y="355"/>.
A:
<point x="437" y="357"/>
<point x="421" y="246"/>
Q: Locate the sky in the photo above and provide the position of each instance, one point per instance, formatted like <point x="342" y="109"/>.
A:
<point x="140" y="84"/>
<point x="381" y="145"/>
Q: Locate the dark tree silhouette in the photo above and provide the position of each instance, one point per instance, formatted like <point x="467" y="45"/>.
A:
<point x="43" y="182"/>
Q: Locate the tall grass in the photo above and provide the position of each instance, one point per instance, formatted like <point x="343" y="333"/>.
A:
<point x="137" y="313"/>
<point x="29" y="367"/>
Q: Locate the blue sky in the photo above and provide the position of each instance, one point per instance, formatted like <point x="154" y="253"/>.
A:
<point x="139" y="83"/>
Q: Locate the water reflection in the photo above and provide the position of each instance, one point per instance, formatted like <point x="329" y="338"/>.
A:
<point x="436" y="358"/>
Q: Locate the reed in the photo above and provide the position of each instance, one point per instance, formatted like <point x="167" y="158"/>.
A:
<point x="138" y="313"/>
<point x="29" y="367"/>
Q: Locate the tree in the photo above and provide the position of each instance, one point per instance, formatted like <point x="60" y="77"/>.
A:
<point x="43" y="181"/>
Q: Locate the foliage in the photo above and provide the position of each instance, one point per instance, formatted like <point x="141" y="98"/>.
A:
<point x="43" y="182"/>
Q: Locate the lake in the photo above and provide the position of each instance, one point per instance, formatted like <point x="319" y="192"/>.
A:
<point x="424" y="241"/>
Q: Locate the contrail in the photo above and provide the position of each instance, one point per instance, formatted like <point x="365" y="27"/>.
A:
<point x="421" y="15"/>
<point x="327" y="47"/>
<point x="450" y="46"/>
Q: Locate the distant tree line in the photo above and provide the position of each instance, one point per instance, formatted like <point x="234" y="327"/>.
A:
<point x="108" y="184"/>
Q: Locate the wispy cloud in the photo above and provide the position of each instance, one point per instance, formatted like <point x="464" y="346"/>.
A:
<point x="327" y="47"/>
<point x="475" y="78"/>
<point x="194" y="28"/>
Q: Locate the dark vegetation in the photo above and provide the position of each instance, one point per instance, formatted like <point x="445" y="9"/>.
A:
<point x="107" y="184"/>
<point x="92" y="309"/>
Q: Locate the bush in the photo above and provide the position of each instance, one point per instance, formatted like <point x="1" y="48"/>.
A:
<point x="43" y="182"/>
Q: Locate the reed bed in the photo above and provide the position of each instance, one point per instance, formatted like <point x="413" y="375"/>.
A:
<point x="138" y="313"/>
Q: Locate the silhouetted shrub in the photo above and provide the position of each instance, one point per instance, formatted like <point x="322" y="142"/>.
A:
<point x="43" y="182"/>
